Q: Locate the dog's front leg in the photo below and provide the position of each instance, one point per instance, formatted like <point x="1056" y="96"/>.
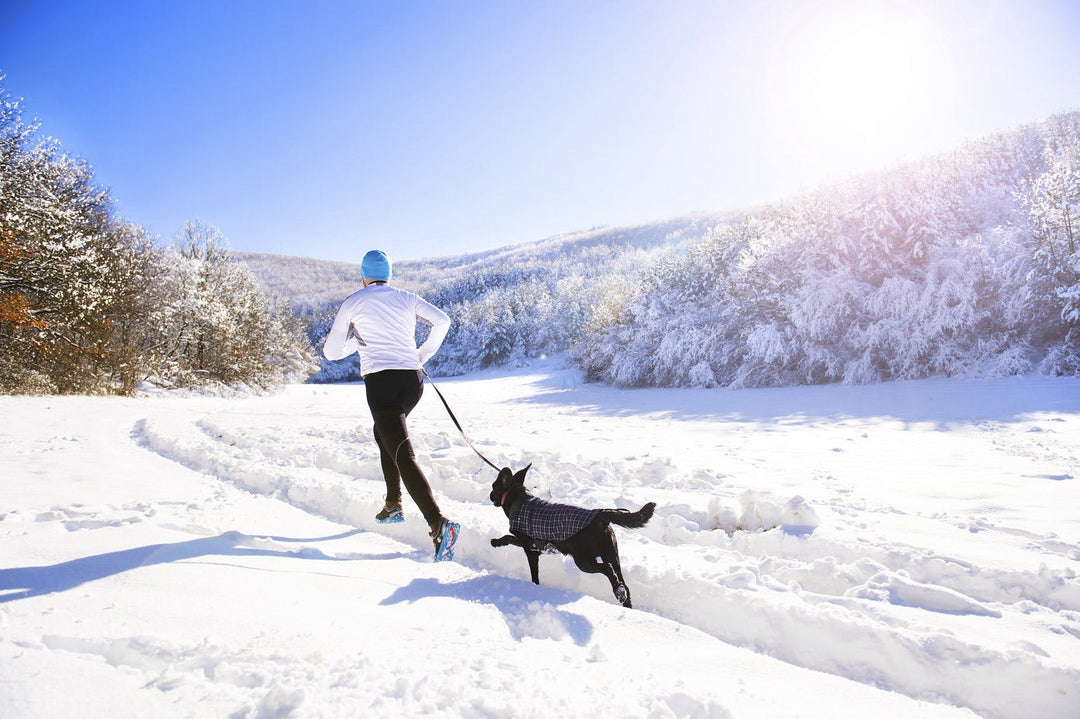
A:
<point x="534" y="563"/>
<point x="532" y="554"/>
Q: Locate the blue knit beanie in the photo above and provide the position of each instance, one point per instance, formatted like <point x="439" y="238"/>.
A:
<point x="375" y="266"/>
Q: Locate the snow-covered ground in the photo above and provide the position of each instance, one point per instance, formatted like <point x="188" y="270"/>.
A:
<point x="897" y="550"/>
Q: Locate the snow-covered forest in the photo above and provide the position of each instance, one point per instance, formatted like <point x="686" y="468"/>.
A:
<point x="962" y="264"/>
<point x="508" y="305"/>
<point x="91" y="303"/>
<point x="966" y="263"/>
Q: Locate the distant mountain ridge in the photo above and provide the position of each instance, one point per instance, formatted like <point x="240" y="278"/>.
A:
<point x="307" y="283"/>
<point x="310" y="284"/>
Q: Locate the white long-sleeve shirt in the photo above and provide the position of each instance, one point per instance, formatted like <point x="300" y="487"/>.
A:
<point x="383" y="323"/>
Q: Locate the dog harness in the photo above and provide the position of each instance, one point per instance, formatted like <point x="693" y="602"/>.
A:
<point x="549" y="521"/>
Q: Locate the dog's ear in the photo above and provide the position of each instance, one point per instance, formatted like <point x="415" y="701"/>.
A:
<point x="519" y="477"/>
<point x="500" y="485"/>
<point x="504" y="476"/>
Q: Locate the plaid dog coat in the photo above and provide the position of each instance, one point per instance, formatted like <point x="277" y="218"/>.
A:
<point x="548" y="521"/>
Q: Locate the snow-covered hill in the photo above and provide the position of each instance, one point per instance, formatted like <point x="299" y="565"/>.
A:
<point x="310" y="283"/>
<point x="894" y="550"/>
<point x="961" y="264"/>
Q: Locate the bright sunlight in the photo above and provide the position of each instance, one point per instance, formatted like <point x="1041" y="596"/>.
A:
<point x="862" y="85"/>
<point x="864" y="80"/>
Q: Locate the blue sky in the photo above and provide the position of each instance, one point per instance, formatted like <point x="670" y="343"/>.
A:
<point x="324" y="128"/>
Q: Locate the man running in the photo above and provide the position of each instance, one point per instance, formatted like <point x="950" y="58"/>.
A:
<point x="379" y="323"/>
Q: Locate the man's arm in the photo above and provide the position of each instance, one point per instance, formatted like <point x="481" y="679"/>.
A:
<point x="440" y="325"/>
<point x="340" y="340"/>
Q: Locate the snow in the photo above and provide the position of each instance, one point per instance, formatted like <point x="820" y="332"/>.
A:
<point x="907" y="549"/>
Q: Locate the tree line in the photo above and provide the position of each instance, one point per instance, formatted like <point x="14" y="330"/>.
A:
<point x="90" y="303"/>
<point x="962" y="264"/>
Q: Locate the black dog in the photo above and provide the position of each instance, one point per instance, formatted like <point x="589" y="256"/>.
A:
<point x="585" y="534"/>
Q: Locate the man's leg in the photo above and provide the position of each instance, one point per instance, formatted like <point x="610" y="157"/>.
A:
<point x="389" y="470"/>
<point x="393" y="437"/>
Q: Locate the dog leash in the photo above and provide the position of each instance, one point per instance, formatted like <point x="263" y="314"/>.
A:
<point x="456" y="423"/>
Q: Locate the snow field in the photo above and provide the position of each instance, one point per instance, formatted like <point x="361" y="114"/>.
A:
<point x="738" y="564"/>
<point x="925" y="557"/>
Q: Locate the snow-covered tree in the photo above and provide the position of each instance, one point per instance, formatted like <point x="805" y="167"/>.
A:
<point x="88" y="303"/>
<point x="952" y="265"/>
<point x="221" y="327"/>
<point x="70" y="271"/>
<point x="1052" y="200"/>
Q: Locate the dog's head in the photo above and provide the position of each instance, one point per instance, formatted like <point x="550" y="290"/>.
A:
<point x="505" y="483"/>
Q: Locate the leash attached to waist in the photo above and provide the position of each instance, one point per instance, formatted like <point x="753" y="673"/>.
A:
<point x="456" y="423"/>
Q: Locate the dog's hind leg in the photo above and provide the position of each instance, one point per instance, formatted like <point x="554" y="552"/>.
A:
<point x="610" y="569"/>
<point x="618" y="585"/>
<point x="610" y="555"/>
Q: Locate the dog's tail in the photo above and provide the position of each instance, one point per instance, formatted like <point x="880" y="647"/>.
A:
<point x="630" y="520"/>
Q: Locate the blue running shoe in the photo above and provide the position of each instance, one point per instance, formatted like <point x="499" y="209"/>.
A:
<point x="444" y="539"/>
<point x="390" y="515"/>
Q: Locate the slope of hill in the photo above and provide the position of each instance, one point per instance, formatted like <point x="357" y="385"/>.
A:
<point x="306" y="282"/>
<point x="964" y="263"/>
<point x="310" y="284"/>
<point x="537" y="296"/>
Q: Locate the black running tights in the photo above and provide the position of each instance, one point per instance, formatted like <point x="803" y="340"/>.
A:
<point x="391" y="395"/>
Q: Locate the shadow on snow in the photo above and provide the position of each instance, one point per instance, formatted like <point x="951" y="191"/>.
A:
<point x="529" y="610"/>
<point x="24" y="582"/>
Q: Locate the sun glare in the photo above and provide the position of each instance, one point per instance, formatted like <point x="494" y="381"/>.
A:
<point x="860" y="87"/>
<point x="863" y="80"/>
